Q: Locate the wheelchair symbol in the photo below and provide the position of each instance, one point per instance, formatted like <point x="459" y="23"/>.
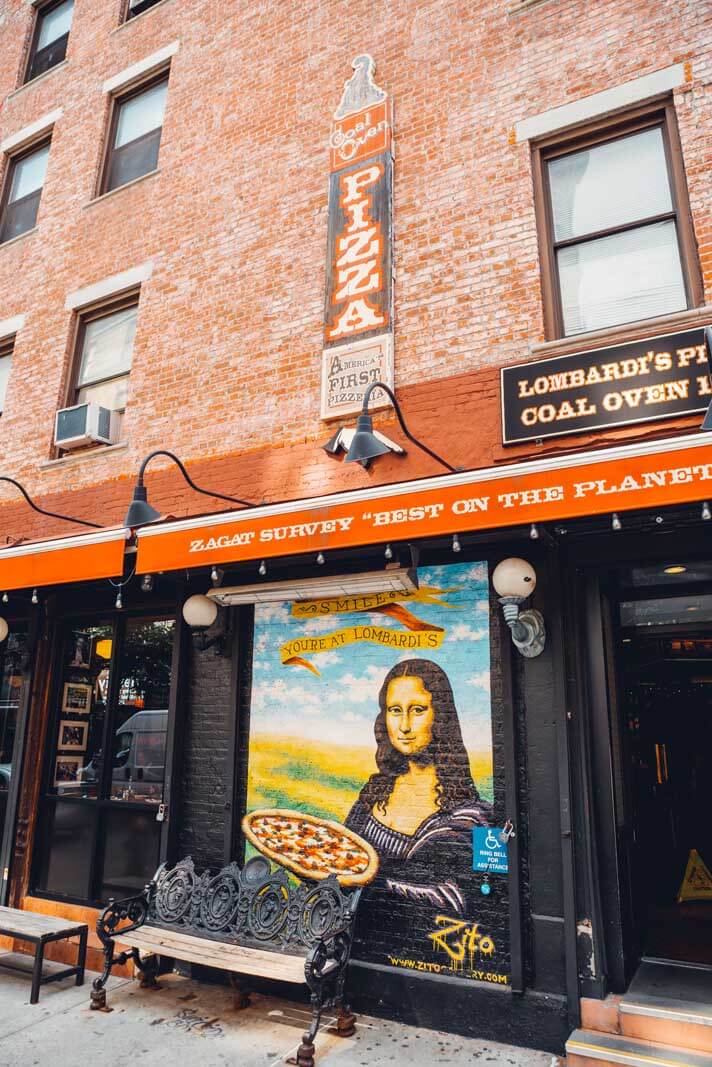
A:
<point x="491" y="841"/>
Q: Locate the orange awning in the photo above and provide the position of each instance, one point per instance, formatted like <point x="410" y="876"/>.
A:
<point x="80" y="557"/>
<point x="649" y="474"/>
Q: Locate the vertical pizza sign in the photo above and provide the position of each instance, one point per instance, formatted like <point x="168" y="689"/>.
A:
<point x="358" y="327"/>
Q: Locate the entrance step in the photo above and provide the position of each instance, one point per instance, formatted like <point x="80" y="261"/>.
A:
<point x="670" y="1004"/>
<point x="588" y="1048"/>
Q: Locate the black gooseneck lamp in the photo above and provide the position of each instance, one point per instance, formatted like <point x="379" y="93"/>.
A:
<point x="4" y="629"/>
<point x="141" y="512"/>
<point x="365" y="446"/>
<point x="43" y="511"/>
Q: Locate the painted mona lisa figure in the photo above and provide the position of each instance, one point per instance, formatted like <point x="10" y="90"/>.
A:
<point x="419" y="809"/>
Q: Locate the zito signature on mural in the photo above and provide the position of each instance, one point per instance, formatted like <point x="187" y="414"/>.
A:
<point x="461" y="940"/>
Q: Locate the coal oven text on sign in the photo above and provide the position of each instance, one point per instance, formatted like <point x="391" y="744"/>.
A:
<point x="638" y="381"/>
<point x="358" y="335"/>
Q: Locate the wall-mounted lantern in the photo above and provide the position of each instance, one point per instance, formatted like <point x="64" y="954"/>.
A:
<point x="515" y="580"/>
<point x="201" y="614"/>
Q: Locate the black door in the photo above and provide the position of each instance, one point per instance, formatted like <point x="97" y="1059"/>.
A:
<point x="14" y="687"/>
<point x="664" y="657"/>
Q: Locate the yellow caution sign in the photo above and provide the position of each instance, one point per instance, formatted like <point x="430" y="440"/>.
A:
<point x="697" y="883"/>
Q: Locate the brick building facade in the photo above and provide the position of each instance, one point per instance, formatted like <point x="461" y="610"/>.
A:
<point x="221" y="247"/>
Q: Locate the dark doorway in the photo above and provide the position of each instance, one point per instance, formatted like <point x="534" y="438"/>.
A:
<point x="666" y="719"/>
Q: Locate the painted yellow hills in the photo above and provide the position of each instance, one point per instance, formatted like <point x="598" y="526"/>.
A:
<point x="291" y="772"/>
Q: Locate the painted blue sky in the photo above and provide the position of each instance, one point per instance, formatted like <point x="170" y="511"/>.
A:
<point x="340" y="706"/>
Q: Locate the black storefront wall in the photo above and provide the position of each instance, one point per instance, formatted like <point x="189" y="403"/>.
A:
<point x="527" y="712"/>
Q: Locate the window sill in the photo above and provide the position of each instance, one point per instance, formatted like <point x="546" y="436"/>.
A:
<point x="120" y="189"/>
<point x="630" y="331"/>
<point x="20" y="237"/>
<point x="81" y="457"/>
<point x="137" y="18"/>
<point x="37" y="80"/>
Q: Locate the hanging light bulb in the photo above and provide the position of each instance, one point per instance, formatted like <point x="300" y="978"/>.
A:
<point x="147" y="583"/>
<point x="534" y="532"/>
<point x="389" y="552"/>
<point x="214" y="576"/>
<point x="320" y="559"/>
<point x="262" y="569"/>
<point x="5" y="598"/>
<point x="616" y="523"/>
<point x="35" y="598"/>
<point x="119" y="603"/>
<point x="706" y="513"/>
<point x="456" y="546"/>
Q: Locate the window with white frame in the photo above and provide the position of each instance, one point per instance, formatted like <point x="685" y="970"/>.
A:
<point x="616" y="241"/>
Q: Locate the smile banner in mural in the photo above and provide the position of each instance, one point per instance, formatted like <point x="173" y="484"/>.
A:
<point x="388" y="732"/>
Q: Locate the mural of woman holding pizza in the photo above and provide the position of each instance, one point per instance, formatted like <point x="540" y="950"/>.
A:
<point x="419" y="809"/>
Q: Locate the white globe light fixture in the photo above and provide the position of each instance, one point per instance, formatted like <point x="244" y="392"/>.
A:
<point x="200" y="611"/>
<point x="4" y="629"/>
<point x="514" y="580"/>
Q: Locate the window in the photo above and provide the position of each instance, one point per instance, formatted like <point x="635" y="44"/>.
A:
<point x="13" y="655"/>
<point x="98" y="834"/>
<point x="23" y="189"/>
<point x="616" y="242"/>
<point x="135" y="134"/>
<point x="104" y="354"/>
<point x="49" y="43"/>
<point x="7" y="345"/>
<point x="137" y="7"/>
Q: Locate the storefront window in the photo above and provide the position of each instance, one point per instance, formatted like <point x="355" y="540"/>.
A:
<point x="141" y="720"/>
<point x="12" y="656"/>
<point x="83" y="697"/>
<point x="99" y="832"/>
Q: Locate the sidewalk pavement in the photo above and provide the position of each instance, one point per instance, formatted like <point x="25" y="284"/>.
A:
<point x="191" y="1023"/>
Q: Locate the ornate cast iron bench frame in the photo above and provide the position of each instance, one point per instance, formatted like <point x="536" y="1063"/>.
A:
<point x="247" y="911"/>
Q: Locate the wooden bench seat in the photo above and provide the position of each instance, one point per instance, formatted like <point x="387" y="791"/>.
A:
<point x="39" y="930"/>
<point x="254" y="922"/>
<point x="236" y="958"/>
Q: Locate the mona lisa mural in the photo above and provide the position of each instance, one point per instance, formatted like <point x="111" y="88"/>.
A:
<point x="375" y="712"/>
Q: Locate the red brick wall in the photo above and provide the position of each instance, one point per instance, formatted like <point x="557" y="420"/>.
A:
<point x="227" y="356"/>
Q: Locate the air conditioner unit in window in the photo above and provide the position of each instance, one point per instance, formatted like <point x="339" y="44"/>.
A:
<point x="86" y="424"/>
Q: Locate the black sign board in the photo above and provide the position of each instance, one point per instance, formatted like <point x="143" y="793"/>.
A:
<point x="639" y="381"/>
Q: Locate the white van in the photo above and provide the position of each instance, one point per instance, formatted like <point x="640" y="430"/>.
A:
<point x="140" y="761"/>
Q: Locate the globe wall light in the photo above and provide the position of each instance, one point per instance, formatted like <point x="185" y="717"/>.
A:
<point x="4" y="629"/>
<point x="200" y="612"/>
<point x="514" y="580"/>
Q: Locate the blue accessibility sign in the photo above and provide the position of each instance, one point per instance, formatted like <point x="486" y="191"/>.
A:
<point x="489" y="849"/>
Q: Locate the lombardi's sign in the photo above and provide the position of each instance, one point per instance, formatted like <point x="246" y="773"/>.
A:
<point x="358" y="327"/>
<point x="637" y="382"/>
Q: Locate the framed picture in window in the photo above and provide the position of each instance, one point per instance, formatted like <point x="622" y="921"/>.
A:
<point x="67" y="772"/>
<point x="80" y="651"/>
<point x="72" y="736"/>
<point x="77" y="698"/>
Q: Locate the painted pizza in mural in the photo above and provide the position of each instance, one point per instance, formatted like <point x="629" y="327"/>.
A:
<point x="373" y="712"/>
<point x="312" y="848"/>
